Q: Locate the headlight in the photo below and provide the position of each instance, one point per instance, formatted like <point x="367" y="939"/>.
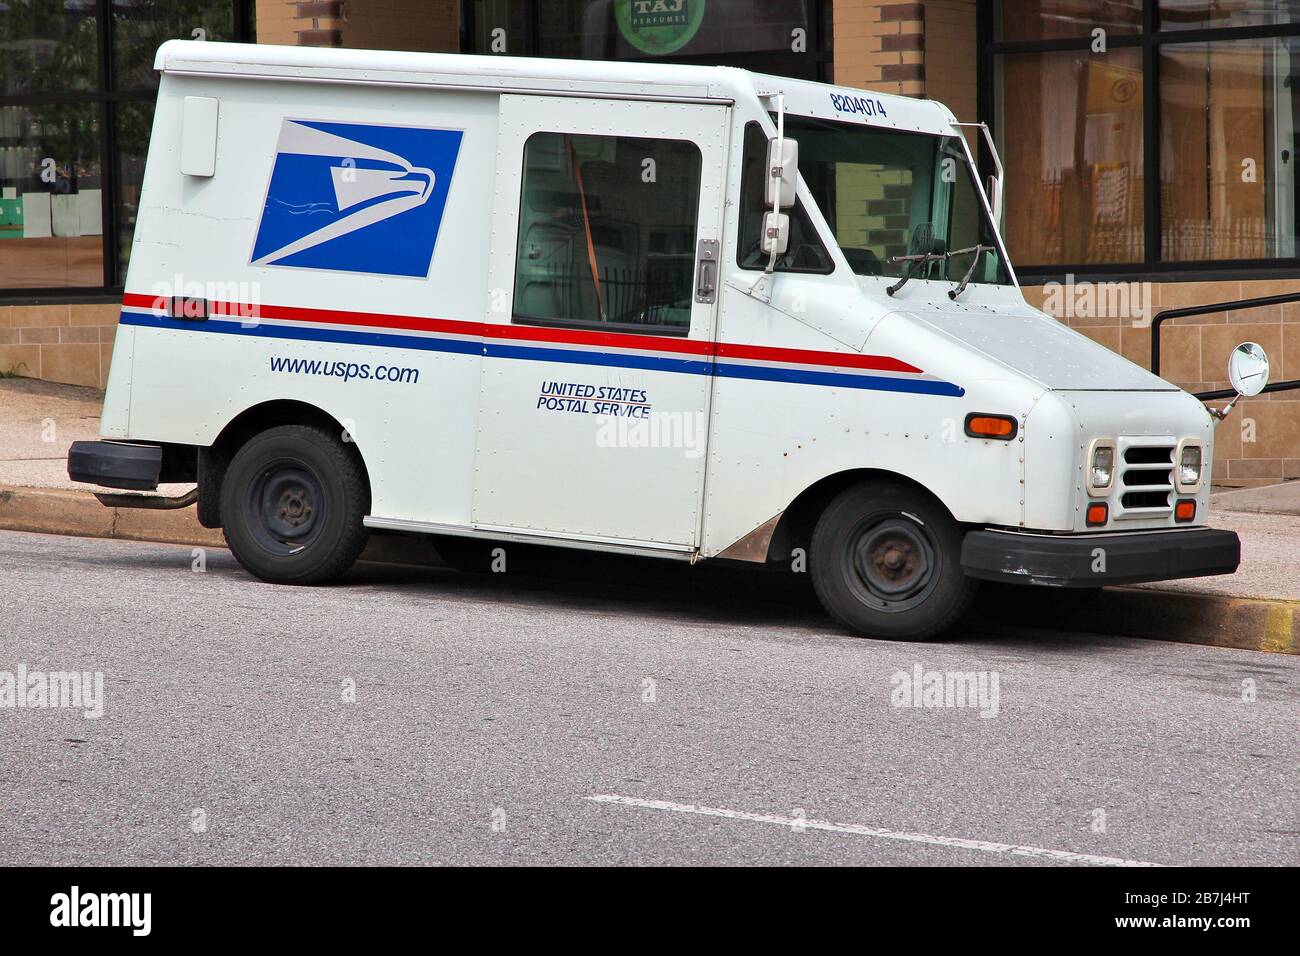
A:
<point x="1189" y="466"/>
<point x="1102" y="468"/>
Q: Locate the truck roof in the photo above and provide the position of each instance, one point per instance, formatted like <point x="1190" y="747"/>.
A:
<point x="549" y="76"/>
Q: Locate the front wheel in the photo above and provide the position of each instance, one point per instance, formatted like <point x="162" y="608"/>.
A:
<point x="886" y="562"/>
<point x="292" y="505"/>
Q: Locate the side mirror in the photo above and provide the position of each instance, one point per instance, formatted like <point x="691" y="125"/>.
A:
<point x="1248" y="369"/>
<point x="1248" y="373"/>
<point x="776" y="233"/>
<point x="782" y="173"/>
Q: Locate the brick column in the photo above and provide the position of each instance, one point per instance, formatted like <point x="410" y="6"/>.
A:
<point x="320" y="23"/>
<point x="880" y="46"/>
<point x="898" y="47"/>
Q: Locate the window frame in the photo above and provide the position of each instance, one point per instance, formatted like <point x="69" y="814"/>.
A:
<point x="589" y="325"/>
<point x="105" y="97"/>
<point x="1150" y="40"/>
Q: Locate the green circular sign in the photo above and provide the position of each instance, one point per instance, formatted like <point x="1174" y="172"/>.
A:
<point x="658" y="27"/>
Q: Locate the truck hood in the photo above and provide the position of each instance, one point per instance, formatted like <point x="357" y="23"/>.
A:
<point x="1043" y="349"/>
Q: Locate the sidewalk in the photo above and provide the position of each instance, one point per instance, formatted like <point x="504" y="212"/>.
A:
<point x="1256" y="608"/>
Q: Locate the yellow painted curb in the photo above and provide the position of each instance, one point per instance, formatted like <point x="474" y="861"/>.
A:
<point x="79" y="513"/>
<point x="62" y="511"/>
<point x="1191" y="617"/>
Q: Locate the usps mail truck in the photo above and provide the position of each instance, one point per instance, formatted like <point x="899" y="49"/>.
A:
<point x="681" y="311"/>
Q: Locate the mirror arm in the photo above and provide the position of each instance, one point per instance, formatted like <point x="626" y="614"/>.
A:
<point x="1219" y="414"/>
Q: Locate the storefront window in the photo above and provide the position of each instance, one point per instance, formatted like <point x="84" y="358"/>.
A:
<point x="1204" y="14"/>
<point x="1073" y="128"/>
<point x="134" y="121"/>
<point x="1059" y="19"/>
<point x="47" y="46"/>
<point x="1081" y="181"/>
<point x="1227" y="148"/>
<point x="51" y="197"/>
<point x="141" y="26"/>
<point x="72" y="142"/>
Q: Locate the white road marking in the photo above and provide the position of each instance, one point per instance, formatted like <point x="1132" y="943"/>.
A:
<point x="984" y="846"/>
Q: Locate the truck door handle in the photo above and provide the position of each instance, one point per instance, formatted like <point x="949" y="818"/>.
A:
<point x="706" y="271"/>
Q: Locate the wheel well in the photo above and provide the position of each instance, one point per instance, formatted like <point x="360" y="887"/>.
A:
<point x="795" y="528"/>
<point x="214" y="458"/>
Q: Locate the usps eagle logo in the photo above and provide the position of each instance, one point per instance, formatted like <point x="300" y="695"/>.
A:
<point x="356" y="198"/>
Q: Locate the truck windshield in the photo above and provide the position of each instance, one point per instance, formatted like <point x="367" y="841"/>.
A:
<point x="888" y="193"/>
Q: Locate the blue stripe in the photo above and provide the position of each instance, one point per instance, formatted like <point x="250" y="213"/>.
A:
<point x="307" y="333"/>
<point x="799" y="376"/>
<point x="654" y="363"/>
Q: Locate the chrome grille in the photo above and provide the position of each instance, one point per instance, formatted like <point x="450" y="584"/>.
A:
<point x="1146" y="477"/>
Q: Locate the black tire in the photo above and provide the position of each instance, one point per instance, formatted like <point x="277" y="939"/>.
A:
<point x="886" y="562"/>
<point x="292" y="503"/>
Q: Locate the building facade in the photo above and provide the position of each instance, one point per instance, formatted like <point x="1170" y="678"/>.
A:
<point x="1149" y="147"/>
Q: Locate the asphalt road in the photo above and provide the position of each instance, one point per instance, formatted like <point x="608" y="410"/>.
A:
<point x="490" y="709"/>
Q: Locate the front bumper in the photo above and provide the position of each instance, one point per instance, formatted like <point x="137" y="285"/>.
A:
<point x="1094" y="560"/>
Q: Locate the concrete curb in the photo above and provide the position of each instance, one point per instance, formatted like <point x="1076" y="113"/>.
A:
<point x="1156" y="614"/>
<point x="79" y="513"/>
<point x="62" y="511"/>
<point x="1193" y="617"/>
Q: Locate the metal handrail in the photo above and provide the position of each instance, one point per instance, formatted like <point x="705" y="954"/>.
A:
<point x="1219" y="307"/>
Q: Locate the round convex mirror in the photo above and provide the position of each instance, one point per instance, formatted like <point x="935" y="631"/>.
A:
<point x="1248" y="369"/>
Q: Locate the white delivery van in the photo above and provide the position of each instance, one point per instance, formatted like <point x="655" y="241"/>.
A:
<point x="680" y="311"/>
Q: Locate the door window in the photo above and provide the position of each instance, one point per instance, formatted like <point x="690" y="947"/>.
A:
<point x="607" y="230"/>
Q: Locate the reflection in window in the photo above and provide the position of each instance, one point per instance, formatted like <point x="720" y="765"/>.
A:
<point x="48" y="46"/>
<point x="141" y="26"/>
<point x="1227" y="150"/>
<point x="1059" y="19"/>
<point x="607" y="228"/>
<point x="1203" y="14"/>
<point x="1071" y="129"/>
<point x="134" y="121"/>
<point x="50" y="197"/>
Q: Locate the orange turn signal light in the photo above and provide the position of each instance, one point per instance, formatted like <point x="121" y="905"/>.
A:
<point x="1185" y="509"/>
<point x="1097" y="513"/>
<point x="979" y="425"/>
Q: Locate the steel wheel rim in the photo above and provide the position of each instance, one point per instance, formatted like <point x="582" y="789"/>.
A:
<point x="287" y="507"/>
<point x="890" y="562"/>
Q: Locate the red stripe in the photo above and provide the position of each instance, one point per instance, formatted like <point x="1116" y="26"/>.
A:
<point x="526" y="333"/>
<point x="612" y="340"/>
<point x="763" y="353"/>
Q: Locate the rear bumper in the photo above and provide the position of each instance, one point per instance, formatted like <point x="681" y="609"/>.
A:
<point x="1089" y="561"/>
<point x="115" y="464"/>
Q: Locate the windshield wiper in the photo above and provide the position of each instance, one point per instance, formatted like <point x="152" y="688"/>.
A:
<point x="965" y="280"/>
<point x="911" y="261"/>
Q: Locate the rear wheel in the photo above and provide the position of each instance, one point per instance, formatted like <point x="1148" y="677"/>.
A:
<point x="886" y="562"/>
<point x="292" y="505"/>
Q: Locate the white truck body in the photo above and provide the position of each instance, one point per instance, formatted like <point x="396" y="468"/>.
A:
<point x="397" y="317"/>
